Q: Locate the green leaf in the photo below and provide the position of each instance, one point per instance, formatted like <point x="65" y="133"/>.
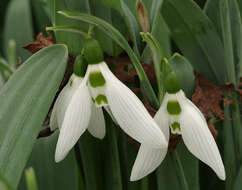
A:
<point x="25" y="100"/>
<point x="128" y="152"/>
<point x="238" y="181"/>
<point x="40" y="15"/>
<point x="237" y="130"/>
<point x="129" y="19"/>
<point x="119" y="39"/>
<point x="229" y="151"/>
<point x="18" y="27"/>
<point x="179" y="171"/>
<point x="197" y="38"/>
<point x="227" y="39"/>
<point x="112" y="164"/>
<point x="73" y="41"/>
<point x="159" y="30"/>
<point x="104" y="13"/>
<point x="183" y="68"/>
<point x="51" y="175"/>
<point x="90" y="149"/>
<point x="4" y="185"/>
<point x="227" y="20"/>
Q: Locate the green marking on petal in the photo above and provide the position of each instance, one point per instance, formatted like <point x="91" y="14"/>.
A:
<point x="96" y="79"/>
<point x="101" y="98"/>
<point x="173" y="107"/>
<point x="71" y="82"/>
<point x="176" y="126"/>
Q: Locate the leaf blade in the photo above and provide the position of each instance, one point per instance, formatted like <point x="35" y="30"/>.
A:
<point x="24" y="106"/>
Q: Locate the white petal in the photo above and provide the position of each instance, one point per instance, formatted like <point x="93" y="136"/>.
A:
<point x="53" y="118"/>
<point x="97" y="123"/>
<point x="76" y="121"/>
<point x="63" y="101"/>
<point x="148" y="159"/>
<point x="162" y="118"/>
<point x="130" y="113"/>
<point x="198" y="138"/>
<point x="107" y="108"/>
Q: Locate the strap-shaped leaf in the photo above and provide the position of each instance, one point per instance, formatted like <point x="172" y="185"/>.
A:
<point x="49" y="174"/>
<point x="24" y="102"/>
<point x="196" y="36"/>
<point x="18" y="26"/>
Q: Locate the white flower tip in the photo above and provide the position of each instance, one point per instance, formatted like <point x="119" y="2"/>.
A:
<point x="136" y="176"/>
<point x="101" y="136"/>
<point x="59" y="155"/>
<point x="221" y="174"/>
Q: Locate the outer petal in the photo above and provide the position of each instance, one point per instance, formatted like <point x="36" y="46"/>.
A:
<point x="130" y="113"/>
<point x="107" y="108"/>
<point x="76" y="121"/>
<point x="198" y="138"/>
<point x="53" y="118"/>
<point x="148" y="158"/>
<point x="63" y="101"/>
<point x="97" y="123"/>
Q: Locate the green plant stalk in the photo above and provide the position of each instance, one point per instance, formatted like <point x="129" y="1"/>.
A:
<point x="157" y="56"/>
<point x="180" y="171"/>
<point x="236" y="122"/>
<point x="11" y="53"/>
<point x="118" y="37"/>
<point x="74" y="29"/>
<point x="229" y="152"/>
<point x="31" y="179"/>
<point x="5" y="66"/>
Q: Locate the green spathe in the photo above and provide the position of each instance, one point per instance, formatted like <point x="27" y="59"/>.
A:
<point x="101" y="98"/>
<point x="96" y="79"/>
<point x="80" y="66"/>
<point x="173" y="107"/>
<point x="172" y="83"/>
<point x="93" y="52"/>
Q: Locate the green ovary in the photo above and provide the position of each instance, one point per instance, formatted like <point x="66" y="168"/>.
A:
<point x="96" y="79"/>
<point x="173" y="107"/>
<point x="175" y="126"/>
<point x="101" y="98"/>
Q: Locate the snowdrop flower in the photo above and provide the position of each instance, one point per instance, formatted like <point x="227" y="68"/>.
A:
<point x="180" y="116"/>
<point x="101" y="88"/>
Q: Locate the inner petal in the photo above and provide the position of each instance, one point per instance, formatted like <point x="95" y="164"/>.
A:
<point x="97" y="88"/>
<point x="175" y="125"/>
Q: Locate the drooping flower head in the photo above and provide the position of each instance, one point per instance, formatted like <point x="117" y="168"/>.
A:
<point x="179" y="115"/>
<point x="100" y="88"/>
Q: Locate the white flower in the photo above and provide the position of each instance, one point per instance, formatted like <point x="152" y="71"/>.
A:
<point x="180" y="115"/>
<point x="100" y="86"/>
